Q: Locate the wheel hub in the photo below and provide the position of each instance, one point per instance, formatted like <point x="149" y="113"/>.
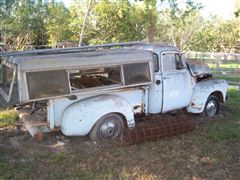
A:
<point x="211" y="108"/>
<point x="108" y="129"/>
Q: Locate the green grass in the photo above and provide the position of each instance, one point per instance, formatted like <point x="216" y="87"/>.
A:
<point x="228" y="78"/>
<point x="232" y="105"/>
<point x="7" y="118"/>
<point x="226" y="128"/>
<point x="223" y="132"/>
<point x="230" y="68"/>
<point x="229" y="129"/>
<point x="225" y="65"/>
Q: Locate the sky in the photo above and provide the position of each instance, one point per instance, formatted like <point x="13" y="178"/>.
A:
<point x="222" y="8"/>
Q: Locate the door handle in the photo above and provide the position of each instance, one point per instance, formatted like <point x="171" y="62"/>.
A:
<point x="166" y="77"/>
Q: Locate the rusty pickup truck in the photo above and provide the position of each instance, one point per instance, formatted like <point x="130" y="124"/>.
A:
<point x="98" y="90"/>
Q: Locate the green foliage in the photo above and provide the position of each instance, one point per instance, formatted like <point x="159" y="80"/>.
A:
<point x="179" y="25"/>
<point x="27" y="22"/>
<point x="113" y="22"/>
<point x="57" y="22"/>
<point x="22" y="23"/>
<point x="217" y="36"/>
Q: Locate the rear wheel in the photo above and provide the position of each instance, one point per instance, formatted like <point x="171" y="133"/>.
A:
<point x="211" y="107"/>
<point x="108" y="127"/>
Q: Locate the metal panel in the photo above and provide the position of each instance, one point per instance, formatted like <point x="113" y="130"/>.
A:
<point x="177" y="86"/>
<point x="78" y="118"/>
<point x="134" y="96"/>
<point x="201" y="92"/>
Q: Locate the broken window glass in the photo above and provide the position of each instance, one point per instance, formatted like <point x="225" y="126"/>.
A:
<point x="136" y="73"/>
<point x="47" y="83"/>
<point x="95" y="77"/>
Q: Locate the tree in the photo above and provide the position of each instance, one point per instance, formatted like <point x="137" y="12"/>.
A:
<point x="114" y="22"/>
<point x="145" y="17"/>
<point x="22" y="23"/>
<point x="6" y="19"/>
<point x="179" y="25"/>
<point x="77" y="11"/>
<point x="84" y="22"/>
<point x="57" y="22"/>
<point x="217" y="35"/>
<point x="151" y="14"/>
<point x="237" y="8"/>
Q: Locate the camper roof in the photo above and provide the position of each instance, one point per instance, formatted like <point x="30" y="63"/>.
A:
<point x="79" y="59"/>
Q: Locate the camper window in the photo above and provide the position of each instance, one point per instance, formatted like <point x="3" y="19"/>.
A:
<point x="136" y="73"/>
<point x="95" y="77"/>
<point x="47" y="83"/>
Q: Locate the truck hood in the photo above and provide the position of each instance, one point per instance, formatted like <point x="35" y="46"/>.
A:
<point x="198" y="68"/>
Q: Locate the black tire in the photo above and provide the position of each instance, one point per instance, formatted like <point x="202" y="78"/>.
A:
<point x="211" y="107"/>
<point x="107" y="128"/>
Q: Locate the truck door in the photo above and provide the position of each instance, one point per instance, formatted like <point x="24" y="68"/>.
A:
<point x="177" y="82"/>
<point x="155" y="97"/>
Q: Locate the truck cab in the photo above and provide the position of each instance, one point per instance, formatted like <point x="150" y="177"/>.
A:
<point x="100" y="91"/>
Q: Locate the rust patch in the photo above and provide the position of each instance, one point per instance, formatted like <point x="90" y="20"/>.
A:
<point x="38" y="136"/>
<point x="136" y="107"/>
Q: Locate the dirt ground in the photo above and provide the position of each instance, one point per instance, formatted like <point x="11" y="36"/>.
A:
<point x="188" y="156"/>
<point x="211" y="151"/>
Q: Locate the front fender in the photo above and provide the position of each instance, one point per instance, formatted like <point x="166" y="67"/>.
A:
<point x="79" y="117"/>
<point x="203" y="90"/>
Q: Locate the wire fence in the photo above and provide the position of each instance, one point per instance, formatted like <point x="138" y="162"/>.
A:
<point x="223" y="65"/>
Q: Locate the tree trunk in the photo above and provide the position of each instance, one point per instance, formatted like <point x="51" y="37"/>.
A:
<point x="151" y="32"/>
<point x="84" y="23"/>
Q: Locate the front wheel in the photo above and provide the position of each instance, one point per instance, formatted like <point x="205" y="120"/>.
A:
<point x="211" y="107"/>
<point x="108" y="127"/>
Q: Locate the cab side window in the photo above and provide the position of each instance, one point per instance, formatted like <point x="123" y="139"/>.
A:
<point x="171" y="62"/>
<point x="155" y="62"/>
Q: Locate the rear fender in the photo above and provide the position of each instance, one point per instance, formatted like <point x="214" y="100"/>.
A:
<point x="203" y="90"/>
<point x="79" y="117"/>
